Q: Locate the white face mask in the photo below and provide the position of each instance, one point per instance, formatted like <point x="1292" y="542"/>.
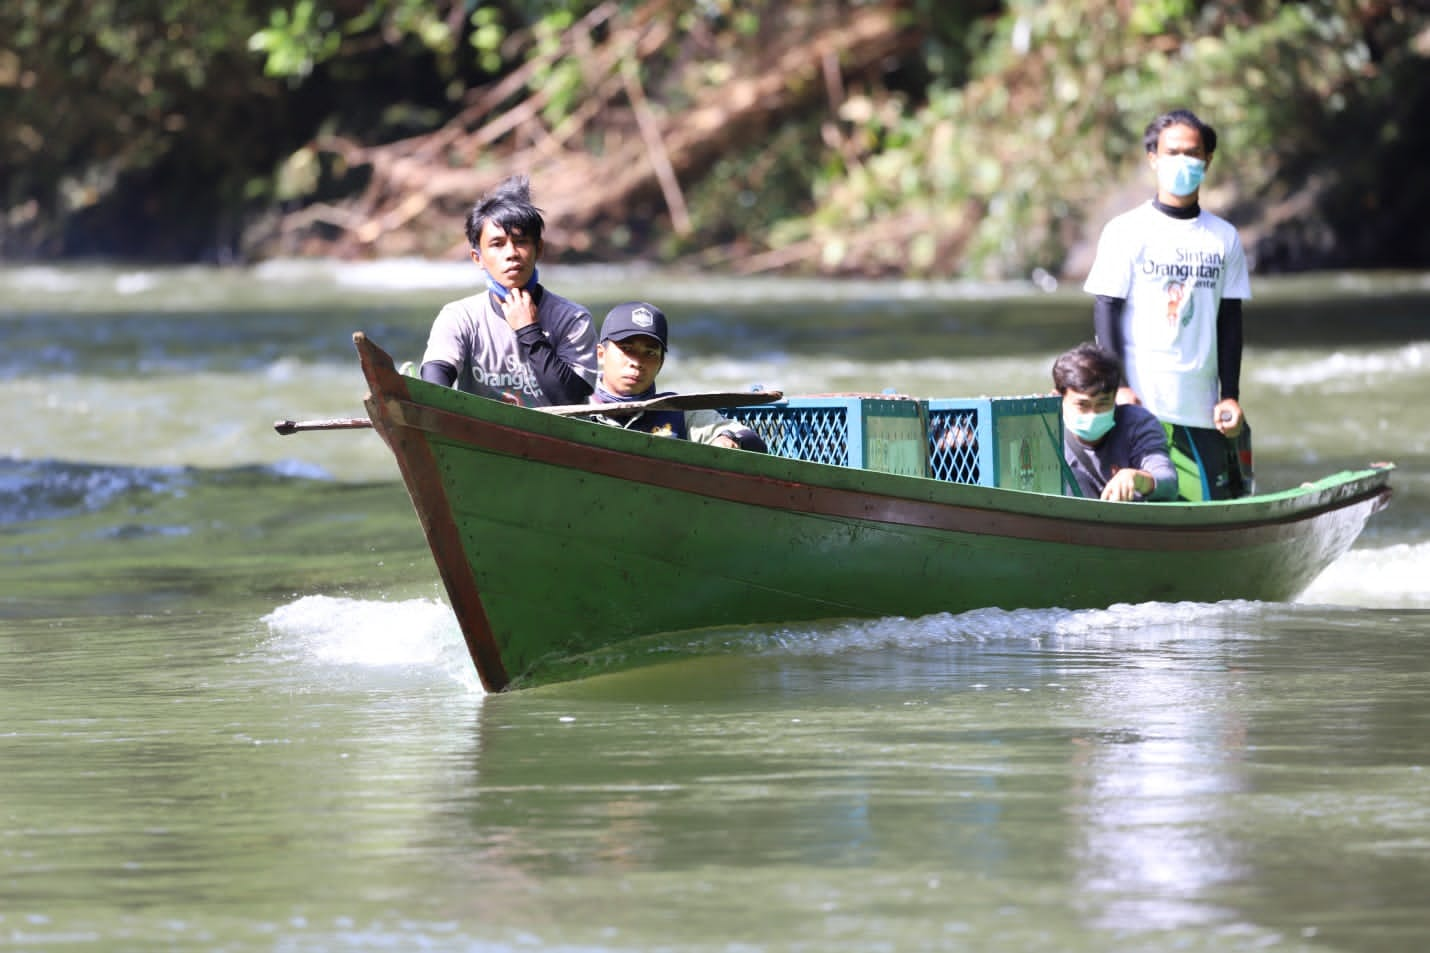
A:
<point x="1091" y="427"/>
<point x="1180" y="175"/>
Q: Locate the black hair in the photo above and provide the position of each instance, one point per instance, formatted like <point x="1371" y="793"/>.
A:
<point x="1087" y="369"/>
<point x="509" y="206"/>
<point x="1178" y="117"/>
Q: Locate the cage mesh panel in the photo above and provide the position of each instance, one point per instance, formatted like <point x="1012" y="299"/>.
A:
<point x="816" y="434"/>
<point x="958" y="432"/>
<point x="953" y="445"/>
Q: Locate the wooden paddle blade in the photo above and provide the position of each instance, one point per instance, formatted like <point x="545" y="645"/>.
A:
<point x="713" y="400"/>
<point x="286" y="427"/>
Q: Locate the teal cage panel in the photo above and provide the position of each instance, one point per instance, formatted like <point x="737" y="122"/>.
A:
<point x="872" y="433"/>
<point x="1009" y="442"/>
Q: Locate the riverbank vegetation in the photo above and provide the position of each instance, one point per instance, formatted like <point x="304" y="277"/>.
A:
<point x="987" y="139"/>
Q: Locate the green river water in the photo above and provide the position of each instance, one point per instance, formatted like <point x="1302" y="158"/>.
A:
<point x="238" y="716"/>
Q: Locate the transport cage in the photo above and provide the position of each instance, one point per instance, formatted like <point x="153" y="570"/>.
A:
<point x="889" y="434"/>
<point x="1009" y="442"/>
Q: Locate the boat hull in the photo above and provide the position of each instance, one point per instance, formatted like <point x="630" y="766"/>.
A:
<point x="561" y="539"/>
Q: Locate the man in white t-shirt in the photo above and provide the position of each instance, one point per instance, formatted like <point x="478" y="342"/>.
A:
<point x="1169" y="280"/>
<point x="514" y="340"/>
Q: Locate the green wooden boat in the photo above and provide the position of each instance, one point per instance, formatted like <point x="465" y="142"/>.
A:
<point x="565" y="545"/>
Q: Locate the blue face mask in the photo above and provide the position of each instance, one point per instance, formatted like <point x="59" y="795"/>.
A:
<point x="1180" y="175"/>
<point x="500" y="290"/>
<point x="1091" y="427"/>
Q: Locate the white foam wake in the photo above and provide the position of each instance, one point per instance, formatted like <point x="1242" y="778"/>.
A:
<point x="409" y="634"/>
<point x="1391" y="577"/>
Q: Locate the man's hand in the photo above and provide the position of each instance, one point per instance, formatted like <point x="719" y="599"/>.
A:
<point x="1126" y="395"/>
<point x="518" y="309"/>
<point x="1228" y="418"/>
<point x="1126" y="484"/>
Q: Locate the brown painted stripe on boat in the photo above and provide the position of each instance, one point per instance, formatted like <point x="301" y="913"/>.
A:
<point x="424" y="485"/>
<point x="829" y="501"/>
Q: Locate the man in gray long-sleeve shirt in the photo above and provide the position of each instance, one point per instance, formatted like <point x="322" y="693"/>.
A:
<point x="1114" y="451"/>
<point x="514" y="340"/>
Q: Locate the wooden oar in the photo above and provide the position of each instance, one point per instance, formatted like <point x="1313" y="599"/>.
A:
<point x="286" y="427"/>
<point x="712" y="400"/>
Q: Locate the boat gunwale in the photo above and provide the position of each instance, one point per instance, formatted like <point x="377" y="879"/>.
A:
<point x="461" y="411"/>
<point x="742" y="485"/>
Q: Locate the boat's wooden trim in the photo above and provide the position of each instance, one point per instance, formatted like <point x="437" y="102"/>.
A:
<point x="424" y="484"/>
<point x="763" y="491"/>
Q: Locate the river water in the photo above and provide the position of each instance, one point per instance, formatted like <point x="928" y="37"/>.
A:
<point x="237" y="714"/>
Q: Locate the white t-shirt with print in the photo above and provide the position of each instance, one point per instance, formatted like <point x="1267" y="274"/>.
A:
<point x="1174" y="274"/>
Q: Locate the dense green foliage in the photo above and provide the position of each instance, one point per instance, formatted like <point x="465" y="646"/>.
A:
<point x="179" y="130"/>
<point x="152" y="128"/>
<point x="1315" y="103"/>
<point x="93" y="91"/>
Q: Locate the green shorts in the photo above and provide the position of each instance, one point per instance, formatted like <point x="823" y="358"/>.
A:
<point x="1209" y="465"/>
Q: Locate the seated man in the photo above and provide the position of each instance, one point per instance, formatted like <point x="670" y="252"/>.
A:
<point x="1114" y="451"/>
<point x="629" y="354"/>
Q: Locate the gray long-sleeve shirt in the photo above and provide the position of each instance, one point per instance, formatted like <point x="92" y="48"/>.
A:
<point x="550" y="362"/>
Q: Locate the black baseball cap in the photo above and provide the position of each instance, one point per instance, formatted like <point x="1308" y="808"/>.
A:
<point x="630" y="318"/>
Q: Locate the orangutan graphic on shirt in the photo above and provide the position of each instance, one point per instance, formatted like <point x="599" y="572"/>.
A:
<point x="1180" y="305"/>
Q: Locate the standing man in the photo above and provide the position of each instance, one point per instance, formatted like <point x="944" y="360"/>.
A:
<point x="515" y="340"/>
<point x="1169" y="280"/>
